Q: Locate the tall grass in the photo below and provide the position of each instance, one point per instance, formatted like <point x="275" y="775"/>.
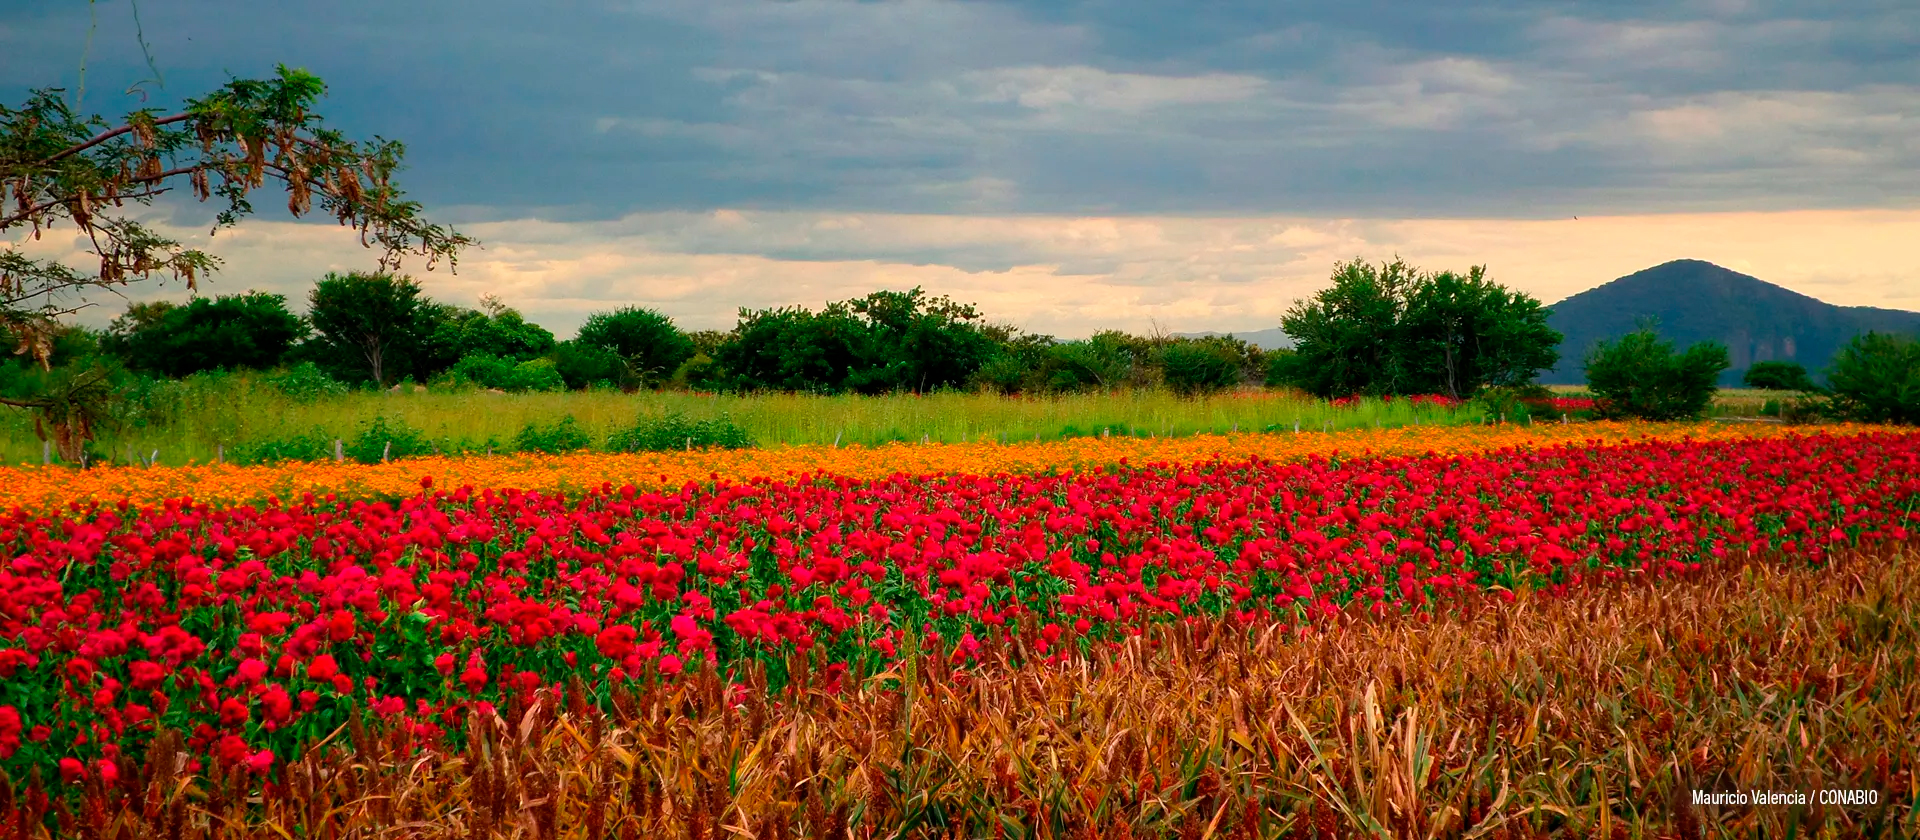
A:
<point x="188" y="420"/>
<point x="1591" y="715"/>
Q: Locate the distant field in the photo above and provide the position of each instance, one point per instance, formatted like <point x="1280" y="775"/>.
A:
<point x="188" y="421"/>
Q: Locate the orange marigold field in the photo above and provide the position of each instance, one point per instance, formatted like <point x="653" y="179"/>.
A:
<point x="43" y="488"/>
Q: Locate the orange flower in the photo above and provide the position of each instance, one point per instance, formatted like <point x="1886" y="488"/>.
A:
<point x="47" y="488"/>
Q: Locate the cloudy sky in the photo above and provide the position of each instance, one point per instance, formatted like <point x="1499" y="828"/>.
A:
<point x="1069" y="166"/>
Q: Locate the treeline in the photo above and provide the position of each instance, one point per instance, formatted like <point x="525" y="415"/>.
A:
<point x="1376" y="330"/>
<point x="381" y="331"/>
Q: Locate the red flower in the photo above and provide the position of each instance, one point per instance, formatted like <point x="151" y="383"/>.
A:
<point x="251" y="671"/>
<point x="322" y="668"/>
<point x="474" y="677"/>
<point x="261" y="761"/>
<point x="617" y="641"/>
<point x="340" y="626"/>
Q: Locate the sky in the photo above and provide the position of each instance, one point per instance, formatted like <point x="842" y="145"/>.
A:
<point x="1066" y="166"/>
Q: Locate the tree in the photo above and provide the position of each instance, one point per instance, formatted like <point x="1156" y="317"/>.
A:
<point x="1193" y="367"/>
<point x="1459" y="334"/>
<point x="1103" y="361"/>
<point x="1876" y="379"/>
<point x="918" y="343"/>
<point x="1018" y="364"/>
<point x="581" y="366"/>
<point x="253" y="330"/>
<point x="646" y="342"/>
<point x="367" y="324"/>
<point x="1778" y="376"/>
<point x="1344" y="337"/>
<point x="1641" y="376"/>
<point x="59" y="167"/>
<point x="1392" y="329"/>
<point x="451" y="333"/>
<point x="75" y="383"/>
<point x="794" y="349"/>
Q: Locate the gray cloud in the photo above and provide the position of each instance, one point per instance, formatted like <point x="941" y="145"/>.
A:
<point x="590" y="109"/>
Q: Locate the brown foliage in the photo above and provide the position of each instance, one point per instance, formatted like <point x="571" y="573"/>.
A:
<point x="1593" y="715"/>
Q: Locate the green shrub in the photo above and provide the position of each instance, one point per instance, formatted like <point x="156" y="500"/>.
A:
<point x="1100" y="363"/>
<point x="535" y="375"/>
<point x="700" y="373"/>
<point x="584" y="366"/>
<point x="381" y="438"/>
<point x="315" y="445"/>
<point x="306" y="382"/>
<point x="1876" y="379"/>
<point x="1641" y="376"/>
<point x="563" y="436"/>
<point x="663" y="434"/>
<point x="483" y="370"/>
<point x="1778" y="376"/>
<point x="647" y="345"/>
<point x="1282" y="369"/>
<point x="1193" y="367"/>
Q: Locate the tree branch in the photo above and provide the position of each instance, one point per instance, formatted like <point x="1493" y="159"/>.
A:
<point x="109" y="135"/>
<point x="10" y="221"/>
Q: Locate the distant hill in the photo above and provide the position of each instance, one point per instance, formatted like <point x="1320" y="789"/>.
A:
<point x="1268" y="339"/>
<point x="1697" y="301"/>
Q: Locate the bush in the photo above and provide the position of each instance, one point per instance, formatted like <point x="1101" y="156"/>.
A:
<point x="535" y="375"/>
<point x="1778" y="376"/>
<point x="700" y="373"/>
<point x="381" y="438"/>
<point x="674" y="432"/>
<point x="306" y="382"/>
<point x="584" y="366"/>
<point x="1017" y="366"/>
<point x="1641" y="376"/>
<point x="1282" y="370"/>
<point x="563" y="436"/>
<point x="1102" y="362"/>
<point x="315" y="445"/>
<point x="253" y="330"/>
<point x="646" y="343"/>
<point x="1193" y="367"/>
<point x="483" y="370"/>
<point x="1876" y="379"/>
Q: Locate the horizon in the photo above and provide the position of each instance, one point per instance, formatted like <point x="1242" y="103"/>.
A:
<point x="1066" y="168"/>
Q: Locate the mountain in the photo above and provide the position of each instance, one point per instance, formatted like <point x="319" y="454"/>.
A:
<point x="1696" y="301"/>
<point x="1268" y="339"/>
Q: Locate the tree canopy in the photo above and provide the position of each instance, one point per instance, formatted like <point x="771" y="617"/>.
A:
<point x="1393" y="329"/>
<point x="60" y="167"/>
<point x="253" y="330"/>
<point x="1641" y="375"/>
<point x="367" y="326"/>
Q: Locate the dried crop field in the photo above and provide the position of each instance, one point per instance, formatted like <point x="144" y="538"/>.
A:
<point x="1486" y="632"/>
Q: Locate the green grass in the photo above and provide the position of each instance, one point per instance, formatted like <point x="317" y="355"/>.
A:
<point x="185" y="421"/>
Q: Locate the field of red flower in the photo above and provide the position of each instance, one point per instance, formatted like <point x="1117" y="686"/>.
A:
<point x="257" y="630"/>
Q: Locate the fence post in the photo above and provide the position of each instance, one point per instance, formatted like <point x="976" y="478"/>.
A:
<point x="219" y="453"/>
<point x="385" y="451"/>
<point x="46" y="452"/>
<point x="337" y="456"/>
<point x="836" y="438"/>
<point x="154" y="458"/>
